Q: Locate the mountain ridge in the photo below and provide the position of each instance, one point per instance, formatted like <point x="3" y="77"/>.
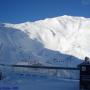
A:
<point x="65" y="34"/>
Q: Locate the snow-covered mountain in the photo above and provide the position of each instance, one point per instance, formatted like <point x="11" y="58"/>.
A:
<point x="63" y="41"/>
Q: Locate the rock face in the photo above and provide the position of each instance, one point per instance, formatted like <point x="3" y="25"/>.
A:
<point x="62" y="41"/>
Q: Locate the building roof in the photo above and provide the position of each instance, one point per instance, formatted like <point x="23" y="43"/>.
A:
<point x="85" y="63"/>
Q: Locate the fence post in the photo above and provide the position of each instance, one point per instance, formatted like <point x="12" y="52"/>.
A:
<point x="0" y="75"/>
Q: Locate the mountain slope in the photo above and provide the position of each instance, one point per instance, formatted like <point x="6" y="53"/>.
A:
<point x="62" y="41"/>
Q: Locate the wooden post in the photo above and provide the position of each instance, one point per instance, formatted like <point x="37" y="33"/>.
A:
<point x="0" y="75"/>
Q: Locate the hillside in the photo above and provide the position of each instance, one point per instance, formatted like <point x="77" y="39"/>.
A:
<point x="62" y="41"/>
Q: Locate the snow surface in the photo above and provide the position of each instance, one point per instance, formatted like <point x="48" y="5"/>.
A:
<point x="33" y="82"/>
<point x="61" y="41"/>
<point x="25" y="80"/>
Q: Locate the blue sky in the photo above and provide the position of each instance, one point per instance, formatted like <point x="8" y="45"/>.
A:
<point x="17" y="11"/>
